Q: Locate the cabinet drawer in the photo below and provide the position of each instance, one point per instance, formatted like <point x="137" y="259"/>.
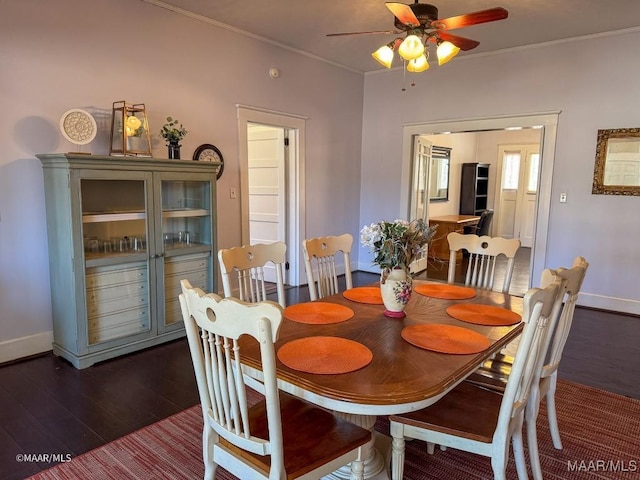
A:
<point x="122" y="293"/>
<point x="172" y="312"/>
<point x="186" y="263"/>
<point x="107" y="276"/>
<point x="173" y="289"/>
<point x="197" y="279"/>
<point x="113" y="305"/>
<point x="123" y="323"/>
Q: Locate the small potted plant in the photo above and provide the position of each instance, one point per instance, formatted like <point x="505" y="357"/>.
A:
<point x="173" y="132"/>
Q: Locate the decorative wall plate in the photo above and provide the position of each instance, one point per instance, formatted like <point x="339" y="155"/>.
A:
<point x="209" y="153"/>
<point x="78" y="126"/>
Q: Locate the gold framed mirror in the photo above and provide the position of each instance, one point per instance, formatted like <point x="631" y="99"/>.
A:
<point x="617" y="165"/>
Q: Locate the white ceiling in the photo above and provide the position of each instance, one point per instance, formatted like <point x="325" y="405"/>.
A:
<point x="303" y="24"/>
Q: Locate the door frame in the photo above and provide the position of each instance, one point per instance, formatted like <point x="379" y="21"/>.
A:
<point x="294" y="126"/>
<point x="547" y="121"/>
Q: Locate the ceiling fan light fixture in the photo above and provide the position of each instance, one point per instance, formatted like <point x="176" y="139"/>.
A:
<point x="418" y="65"/>
<point x="446" y="51"/>
<point x="384" y="56"/>
<point x="411" y="48"/>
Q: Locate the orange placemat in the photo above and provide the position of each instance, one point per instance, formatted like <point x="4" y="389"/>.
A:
<point x="484" y="314"/>
<point x="318" y="313"/>
<point x="445" y="291"/>
<point x="442" y="338"/>
<point x="364" y="295"/>
<point x="324" y="355"/>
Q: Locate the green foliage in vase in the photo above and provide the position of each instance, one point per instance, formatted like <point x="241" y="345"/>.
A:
<point x="396" y="244"/>
<point x="173" y="131"/>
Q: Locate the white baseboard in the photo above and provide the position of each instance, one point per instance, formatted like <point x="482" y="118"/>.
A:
<point x="368" y="267"/>
<point x="41" y="342"/>
<point x="25" y="346"/>
<point x="592" y="300"/>
<point x="623" y="305"/>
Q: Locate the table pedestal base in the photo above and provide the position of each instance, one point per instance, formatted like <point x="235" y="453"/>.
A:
<point x="376" y="453"/>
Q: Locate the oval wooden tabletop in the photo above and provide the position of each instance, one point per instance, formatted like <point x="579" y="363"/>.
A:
<point x="400" y="376"/>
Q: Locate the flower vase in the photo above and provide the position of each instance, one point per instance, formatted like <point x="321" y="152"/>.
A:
<point x="395" y="287"/>
<point x="174" y="151"/>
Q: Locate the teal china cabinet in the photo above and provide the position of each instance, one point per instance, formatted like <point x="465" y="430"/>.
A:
<point x="122" y="233"/>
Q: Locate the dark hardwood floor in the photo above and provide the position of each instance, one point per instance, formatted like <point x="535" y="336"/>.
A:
<point x="49" y="407"/>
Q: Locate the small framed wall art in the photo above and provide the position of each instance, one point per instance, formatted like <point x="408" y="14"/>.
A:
<point x="78" y="126"/>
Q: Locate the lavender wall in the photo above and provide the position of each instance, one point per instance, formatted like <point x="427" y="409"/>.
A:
<point x="592" y="82"/>
<point x="77" y="54"/>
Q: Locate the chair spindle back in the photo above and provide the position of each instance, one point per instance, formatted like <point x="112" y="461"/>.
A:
<point x="483" y="254"/>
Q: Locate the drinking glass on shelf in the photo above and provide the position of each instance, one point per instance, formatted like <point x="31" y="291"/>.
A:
<point x="137" y="243"/>
<point x="93" y="245"/>
<point x="184" y="237"/>
<point x="168" y="239"/>
<point x="123" y="244"/>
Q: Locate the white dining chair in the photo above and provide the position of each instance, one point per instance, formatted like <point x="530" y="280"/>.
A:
<point x="252" y="442"/>
<point x="249" y="263"/>
<point x="483" y="255"/>
<point x="479" y="420"/>
<point x="320" y="264"/>
<point x="495" y="377"/>
<point x="572" y="283"/>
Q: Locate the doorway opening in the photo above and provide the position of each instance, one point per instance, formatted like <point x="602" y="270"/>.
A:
<point x="545" y="124"/>
<point x="272" y="182"/>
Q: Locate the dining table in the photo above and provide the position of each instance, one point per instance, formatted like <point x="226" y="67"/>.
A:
<point x="342" y="353"/>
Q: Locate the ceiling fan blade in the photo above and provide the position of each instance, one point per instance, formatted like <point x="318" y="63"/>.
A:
<point x="460" y="42"/>
<point x="468" y="19"/>
<point x="403" y="13"/>
<point x="363" y="33"/>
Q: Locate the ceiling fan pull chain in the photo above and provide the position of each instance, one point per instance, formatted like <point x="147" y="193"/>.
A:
<point x="404" y="75"/>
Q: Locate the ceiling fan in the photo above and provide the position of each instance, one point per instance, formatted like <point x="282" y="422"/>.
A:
<point x="421" y="24"/>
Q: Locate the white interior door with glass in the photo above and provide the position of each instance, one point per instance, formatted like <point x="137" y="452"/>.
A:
<point x="420" y="192"/>
<point x="519" y="167"/>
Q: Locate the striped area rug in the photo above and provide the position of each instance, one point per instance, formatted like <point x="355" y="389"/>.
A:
<point x="600" y="433"/>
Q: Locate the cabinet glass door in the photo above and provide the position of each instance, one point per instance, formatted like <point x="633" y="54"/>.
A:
<point x="187" y="231"/>
<point x="114" y="233"/>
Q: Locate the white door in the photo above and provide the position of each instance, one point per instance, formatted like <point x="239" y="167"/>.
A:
<point x="519" y="166"/>
<point x="420" y="192"/>
<point x="267" y="186"/>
